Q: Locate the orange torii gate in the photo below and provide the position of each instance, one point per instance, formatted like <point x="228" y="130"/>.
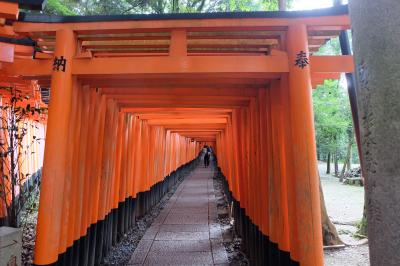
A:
<point x="133" y="100"/>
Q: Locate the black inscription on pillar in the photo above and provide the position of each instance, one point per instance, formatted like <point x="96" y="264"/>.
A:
<point x="301" y="60"/>
<point x="59" y="64"/>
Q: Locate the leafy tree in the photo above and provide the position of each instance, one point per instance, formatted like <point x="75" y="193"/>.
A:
<point x="333" y="121"/>
<point x="15" y="147"/>
<point x="334" y="132"/>
<point x="58" y="7"/>
<point x="332" y="118"/>
<point x="112" y="7"/>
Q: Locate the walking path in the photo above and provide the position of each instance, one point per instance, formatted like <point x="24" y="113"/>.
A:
<point x="186" y="232"/>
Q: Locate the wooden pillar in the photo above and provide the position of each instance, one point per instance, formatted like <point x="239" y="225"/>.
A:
<point x="279" y="160"/>
<point x="254" y="162"/>
<point x="376" y="34"/>
<point x="264" y="166"/>
<point x="305" y="178"/>
<point x="95" y="182"/>
<point x="178" y="46"/>
<point x="130" y="153"/>
<point x="89" y="98"/>
<point x="54" y="168"/>
<point x="75" y="133"/>
<point x="67" y="211"/>
<point x="119" y="149"/>
<point x="288" y="161"/>
<point x="138" y="157"/>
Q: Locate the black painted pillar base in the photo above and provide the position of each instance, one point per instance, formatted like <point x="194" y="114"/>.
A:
<point x="260" y="250"/>
<point x="90" y="249"/>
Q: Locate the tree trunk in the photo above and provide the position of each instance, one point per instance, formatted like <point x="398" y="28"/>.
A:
<point x="328" y="164"/>
<point x="378" y="92"/>
<point x="336" y="158"/>
<point x="175" y="6"/>
<point x="330" y="235"/>
<point x="346" y="161"/>
<point x="349" y="160"/>
<point x="343" y="171"/>
<point x="282" y="5"/>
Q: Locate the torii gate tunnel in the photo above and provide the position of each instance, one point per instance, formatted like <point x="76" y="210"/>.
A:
<point x="134" y="99"/>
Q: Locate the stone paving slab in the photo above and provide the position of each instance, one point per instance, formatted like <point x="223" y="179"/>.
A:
<point x="215" y="231"/>
<point x="181" y="246"/>
<point x="179" y="258"/>
<point x="218" y="251"/>
<point x="151" y="232"/>
<point x="186" y="218"/>
<point x="141" y="250"/>
<point x="184" y="228"/>
<point x="182" y="236"/>
<point x="186" y="231"/>
<point x="189" y="210"/>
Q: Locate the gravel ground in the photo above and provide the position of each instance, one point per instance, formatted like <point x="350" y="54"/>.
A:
<point x="344" y="204"/>
<point x="232" y="242"/>
<point x="28" y="224"/>
<point x="349" y="256"/>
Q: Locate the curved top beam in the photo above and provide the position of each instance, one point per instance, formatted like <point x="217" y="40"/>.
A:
<point x="40" y="18"/>
<point x="334" y="18"/>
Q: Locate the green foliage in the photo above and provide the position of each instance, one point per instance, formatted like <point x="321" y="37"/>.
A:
<point x="58" y="7"/>
<point x="332" y="47"/>
<point x="274" y="4"/>
<point x="332" y="118"/>
<point x="270" y="5"/>
<point x="362" y="226"/>
<point x="112" y="7"/>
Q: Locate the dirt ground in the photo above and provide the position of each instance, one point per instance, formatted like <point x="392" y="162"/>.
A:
<point x="345" y="205"/>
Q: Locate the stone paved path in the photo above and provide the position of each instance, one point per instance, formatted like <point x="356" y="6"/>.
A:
<point x="186" y="232"/>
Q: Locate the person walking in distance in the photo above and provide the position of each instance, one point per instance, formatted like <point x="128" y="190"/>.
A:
<point x="206" y="159"/>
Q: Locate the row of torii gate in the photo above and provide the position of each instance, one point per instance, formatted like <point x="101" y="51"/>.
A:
<point x="134" y="98"/>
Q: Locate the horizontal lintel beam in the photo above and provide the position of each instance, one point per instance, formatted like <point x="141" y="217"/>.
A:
<point x="187" y="91"/>
<point x="181" y="65"/>
<point x="223" y="65"/>
<point x="174" y="109"/>
<point x="156" y="65"/>
<point x="197" y="121"/>
<point x="332" y="64"/>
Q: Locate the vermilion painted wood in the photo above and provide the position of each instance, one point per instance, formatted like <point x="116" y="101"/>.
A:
<point x="303" y="145"/>
<point x="129" y="119"/>
<point x="7" y="52"/>
<point x="340" y="22"/>
<point x="55" y="156"/>
<point x="9" y="10"/>
<point x="237" y="65"/>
